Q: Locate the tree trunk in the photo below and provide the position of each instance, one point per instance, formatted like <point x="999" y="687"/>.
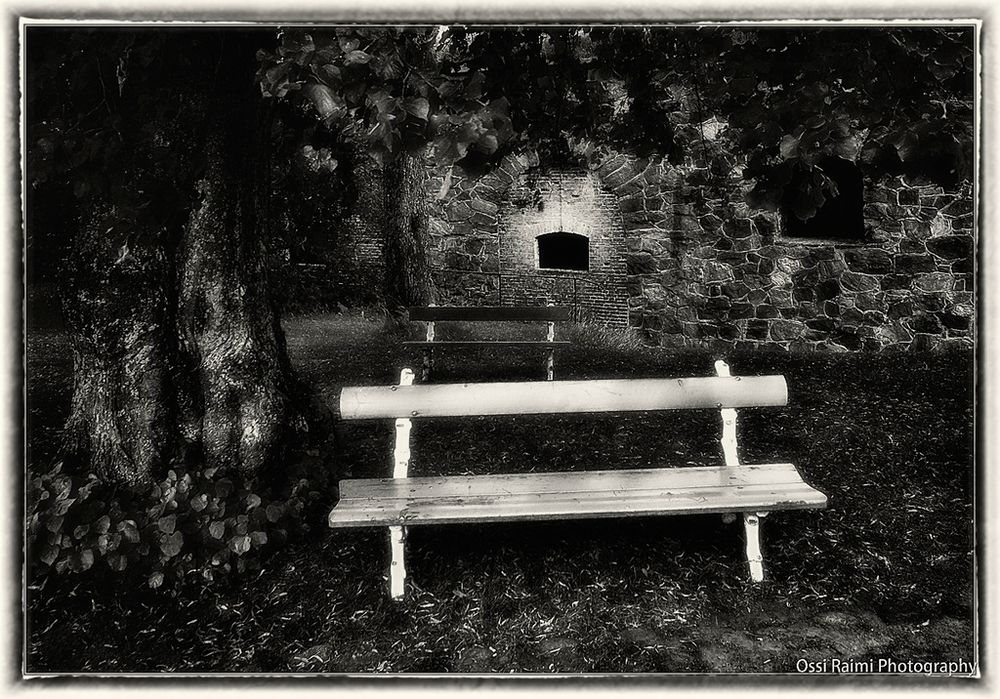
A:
<point x="119" y="322"/>
<point x="238" y="400"/>
<point x="177" y="347"/>
<point x="408" y="278"/>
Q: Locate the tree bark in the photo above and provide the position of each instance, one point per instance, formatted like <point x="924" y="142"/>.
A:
<point x="119" y="324"/>
<point x="178" y="350"/>
<point x="237" y="405"/>
<point x="408" y="278"/>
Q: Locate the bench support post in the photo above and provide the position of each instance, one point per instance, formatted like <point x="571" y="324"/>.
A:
<point x="425" y="372"/>
<point x="751" y="522"/>
<point x="397" y="563"/>
<point x="401" y="465"/>
<point x="550" y="356"/>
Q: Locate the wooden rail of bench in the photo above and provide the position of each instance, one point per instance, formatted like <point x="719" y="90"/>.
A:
<point x="731" y="489"/>
<point x="536" y="397"/>
<point x="433" y="314"/>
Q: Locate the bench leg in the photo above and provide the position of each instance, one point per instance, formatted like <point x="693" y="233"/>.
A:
<point x="751" y="522"/>
<point x="425" y="372"/>
<point x="397" y="564"/>
<point x="549" y="365"/>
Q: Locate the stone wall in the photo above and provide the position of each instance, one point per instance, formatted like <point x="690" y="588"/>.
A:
<point x="680" y="257"/>
<point x="724" y="276"/>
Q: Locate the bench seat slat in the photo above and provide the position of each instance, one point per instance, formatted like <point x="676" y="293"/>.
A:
<point x="490" y="313"/>
<point x="459" y="343"/>
<point x="571" y="495"/>
<point x="539" y="397"/>
<point x="665" y="477"/>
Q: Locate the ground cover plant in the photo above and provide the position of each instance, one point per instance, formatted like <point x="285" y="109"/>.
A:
<point x="886" y="571"/>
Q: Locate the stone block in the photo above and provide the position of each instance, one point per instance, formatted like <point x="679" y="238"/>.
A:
<point x="912" y="246"/>
<point x="756" y="329"/>
<point x="963" y="266"/>
<point x="925" y="343"/>
<point x="868" y="260"/>
<point x="934" y="282"/>
<point x="803" y="293"/>
<point x="916" y="228"/>
<point x="954" y="321"/>
<point x="874" y="318"/>
<point x="854" y="281"/>
<point x="941" y="225"/>
<point x="783" y="329"/>
<point x="484" y="207"/>
<point x="848" y="337"/>
<point x="640" y="263"/>
<point x="823" y="324"/>
<point x="827" y="289"/>
<point x="735" y="290"/>
<point x="931" y="303"/>
<point x="959" y="207"/>
<point x="767" y="311"/>
<point x="737" y="228"/>
<point x="741" y="310"/>
<point x="896" y="281"/>
<point x="952" y="246"/>
<point x="867" y="301"/>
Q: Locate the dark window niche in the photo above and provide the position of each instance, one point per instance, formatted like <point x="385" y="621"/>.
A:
<point x="841" y="218"/>
<point x="565" y="251"/>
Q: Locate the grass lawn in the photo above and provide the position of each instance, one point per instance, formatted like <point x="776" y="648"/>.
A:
<point x="886" y="571"/>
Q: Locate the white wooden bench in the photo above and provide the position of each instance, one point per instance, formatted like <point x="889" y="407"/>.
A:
<point x="490" y="314"/>
<point x="729" y="489"/>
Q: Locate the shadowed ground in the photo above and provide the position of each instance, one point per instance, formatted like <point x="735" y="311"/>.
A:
<point x="885" y="572"/>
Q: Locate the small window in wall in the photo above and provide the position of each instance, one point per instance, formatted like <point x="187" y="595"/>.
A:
<point x="840" y="217"/>
<point x="562" y="250"/>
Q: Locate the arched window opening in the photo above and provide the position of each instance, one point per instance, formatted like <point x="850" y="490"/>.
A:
<point x="840" y="217"/>
<point x="564" y="251"/>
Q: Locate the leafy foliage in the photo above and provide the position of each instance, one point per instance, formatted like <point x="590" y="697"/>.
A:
<point x="385" y="86"/>
<point x="897" y="98"/>
<point x="192" y="522"/>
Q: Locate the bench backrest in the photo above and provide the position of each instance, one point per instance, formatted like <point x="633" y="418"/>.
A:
<point x="490" y="313"/>
<point x="535" y="397"/>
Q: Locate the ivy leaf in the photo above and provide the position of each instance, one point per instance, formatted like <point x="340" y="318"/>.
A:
<point x="239" y="544"/>
<point x="117" y="562"/>
<point x="199" y="502"/>
<point x="253" y="500"/>
<point x="274" y="512"/>
<point x="129" y="531"/>
<point x="329" y="74"/>
<point x="789" y="146"/>
<point x="217" y="529"/>
<point x="171" y="545"/>
<point x="49" y="554"/>
<point x="167" y="524"/>
<point x="102" y="525"/>
<point x="259" y="538"/>
<point x="418" y="107"/>
<point x="155" y="580"/>
<point x="86" y="559"/>
<point x="356" y="57"/>
<point x="324" y="100"/>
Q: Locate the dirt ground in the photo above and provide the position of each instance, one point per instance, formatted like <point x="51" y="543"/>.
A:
<point x="885" y="572"/>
